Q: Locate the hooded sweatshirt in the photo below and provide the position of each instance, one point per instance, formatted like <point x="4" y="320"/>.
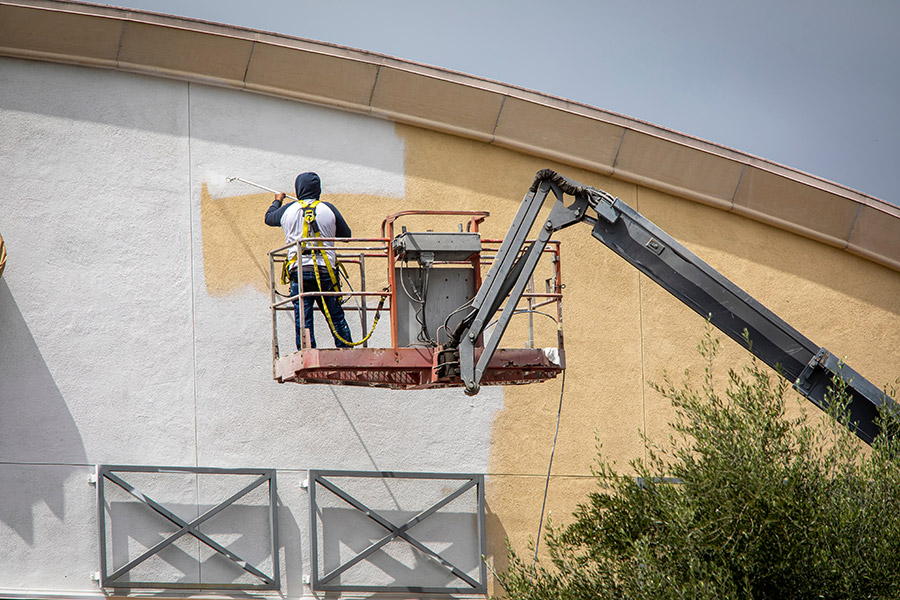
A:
<point x="290" y="218"/>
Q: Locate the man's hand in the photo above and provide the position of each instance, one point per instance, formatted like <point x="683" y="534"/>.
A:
<point x="279" y="197"/>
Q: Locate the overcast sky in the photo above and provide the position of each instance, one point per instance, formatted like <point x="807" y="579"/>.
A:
<point x="811" y="84"/>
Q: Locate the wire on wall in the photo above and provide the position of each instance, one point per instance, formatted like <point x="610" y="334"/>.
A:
<point x="537" y="542"/>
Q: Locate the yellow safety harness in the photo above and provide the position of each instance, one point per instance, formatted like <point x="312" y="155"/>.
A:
<point x="331" y="325"/>
<point x="309" y="225"/>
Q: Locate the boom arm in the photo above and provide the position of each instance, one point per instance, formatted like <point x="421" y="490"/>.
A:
<point x="656" y="254"/>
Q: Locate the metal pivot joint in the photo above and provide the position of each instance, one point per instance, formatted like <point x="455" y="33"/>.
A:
<point x="816" y="382"/>
<point x="515" y="263"/>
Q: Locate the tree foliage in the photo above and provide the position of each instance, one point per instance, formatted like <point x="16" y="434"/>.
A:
<point x="768" y="506"/>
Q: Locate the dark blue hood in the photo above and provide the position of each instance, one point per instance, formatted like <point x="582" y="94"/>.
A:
<point x="308" y="186"/>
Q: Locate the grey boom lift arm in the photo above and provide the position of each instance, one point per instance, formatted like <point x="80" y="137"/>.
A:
<point x="656" y="254"/>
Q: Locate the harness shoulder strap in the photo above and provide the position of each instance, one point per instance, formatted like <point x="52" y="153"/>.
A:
<point x="309" y="217"/>
<point x="310" y="225"/>
<point x="308" y="208"/>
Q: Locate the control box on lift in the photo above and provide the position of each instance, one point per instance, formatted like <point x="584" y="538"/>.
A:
<point x="432" y="292"/>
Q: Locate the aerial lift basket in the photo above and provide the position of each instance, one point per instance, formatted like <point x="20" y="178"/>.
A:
<point x="430" y="278"/>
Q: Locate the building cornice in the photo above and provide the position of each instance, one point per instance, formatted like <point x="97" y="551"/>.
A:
<point x="407" y="92"/>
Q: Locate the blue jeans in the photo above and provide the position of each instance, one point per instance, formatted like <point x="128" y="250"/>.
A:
<point x="331" y="302"/>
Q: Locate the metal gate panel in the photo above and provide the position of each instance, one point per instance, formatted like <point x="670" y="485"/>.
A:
<point x="155" y="534"/>
<point x="383" y="531"/>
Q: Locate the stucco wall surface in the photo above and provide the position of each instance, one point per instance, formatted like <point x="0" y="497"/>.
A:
<point x="622" y="330"/>
<point x="119" y="346"/>
<point x="134" y="324"/>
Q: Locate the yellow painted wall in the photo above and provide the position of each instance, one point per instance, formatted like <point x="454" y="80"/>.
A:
<point x="236" y="240"/>
<point x="621" y="329"/>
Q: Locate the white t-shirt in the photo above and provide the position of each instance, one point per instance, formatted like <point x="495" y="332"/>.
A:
<point x="292" y="224"/>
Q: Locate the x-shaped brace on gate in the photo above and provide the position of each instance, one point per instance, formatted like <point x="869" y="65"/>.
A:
<point x="398" y="531"/>
<point x="185" y="527"/>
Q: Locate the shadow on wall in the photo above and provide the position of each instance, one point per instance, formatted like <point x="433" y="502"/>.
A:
<point x="135" y="529"/>
<point x="291" y="547"/>
<point x="93" y="95"/>
<point x="347" y="533"/>
<point x="36" y="427"/>
<point x="157" y="105"/>
<point x="497" y="552"/>
<point x="224" y="540"/>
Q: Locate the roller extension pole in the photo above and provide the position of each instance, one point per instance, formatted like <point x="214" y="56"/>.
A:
<point x="256" y="185"/>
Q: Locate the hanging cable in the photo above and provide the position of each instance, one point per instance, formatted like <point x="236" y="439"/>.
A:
<point x="446" y="326"/>
<point x="422" y="337"/>
<point x="537" y="542"/>
<point x="415" y="298"/>
<point x="420" y="313"/>
<point x="523" y="311"/>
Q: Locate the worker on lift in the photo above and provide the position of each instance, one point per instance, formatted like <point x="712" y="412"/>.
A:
<point x="309" y="217"/>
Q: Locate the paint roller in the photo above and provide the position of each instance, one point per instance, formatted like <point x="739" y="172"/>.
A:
<point x="256" y="185"/>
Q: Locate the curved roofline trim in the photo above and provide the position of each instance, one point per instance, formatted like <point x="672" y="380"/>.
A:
<point x="439" y="73"/>
<point x="446" y="101"/>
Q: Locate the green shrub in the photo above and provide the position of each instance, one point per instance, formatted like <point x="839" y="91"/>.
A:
<point x="768" y="506"/>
